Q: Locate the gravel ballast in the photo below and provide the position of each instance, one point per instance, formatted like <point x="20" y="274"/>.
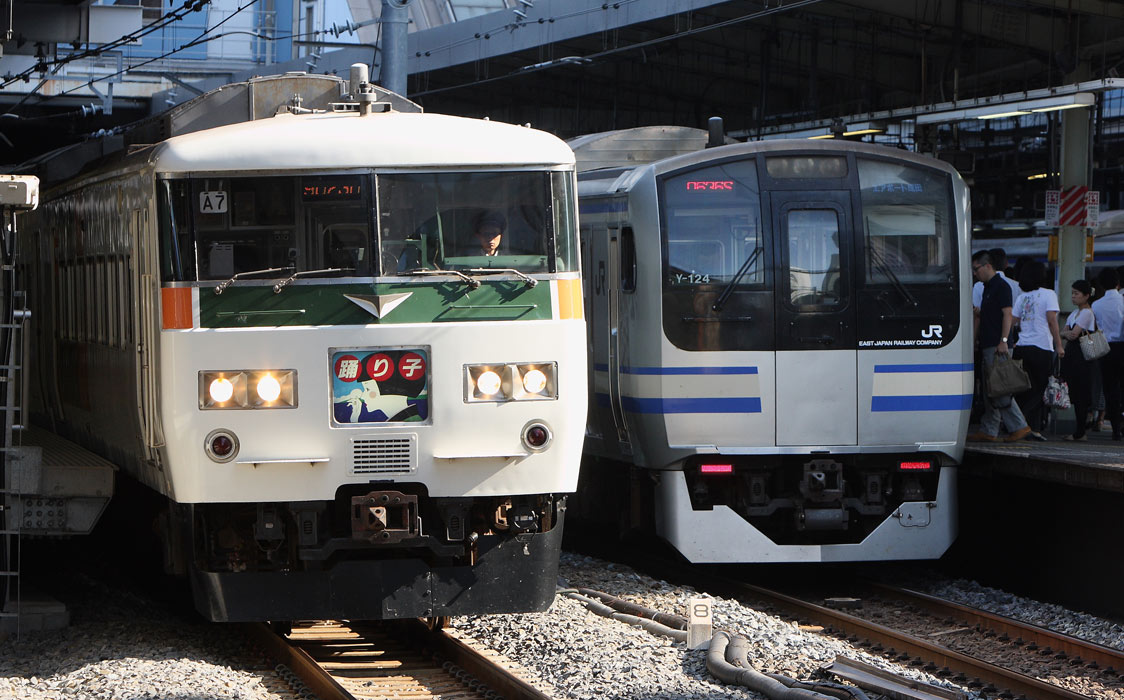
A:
<point x="121" y="646"/>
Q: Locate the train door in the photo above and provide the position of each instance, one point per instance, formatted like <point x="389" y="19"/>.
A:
<point x="816" y="372"/>
<point x="146" y="319"/>
<point x="606" y="409"/>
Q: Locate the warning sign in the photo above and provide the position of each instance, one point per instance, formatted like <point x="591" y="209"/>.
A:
<point x="1073" y="206"/>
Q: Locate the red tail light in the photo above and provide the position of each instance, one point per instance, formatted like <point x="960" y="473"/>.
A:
<point x="916" y="466"/>
<point x="716" y="468"/>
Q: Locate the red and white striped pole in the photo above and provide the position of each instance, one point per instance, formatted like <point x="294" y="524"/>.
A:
<point x="1071" y="209"/>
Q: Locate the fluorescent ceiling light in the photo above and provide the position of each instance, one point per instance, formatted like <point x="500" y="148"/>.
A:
<point x="822" y="136"/>
<point x="1012" y="108"/>
<point x="1002" y="115"/>
<point x="861" y="132"/>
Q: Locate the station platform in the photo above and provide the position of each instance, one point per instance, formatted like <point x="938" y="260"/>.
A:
<point x="1096" y="463"/>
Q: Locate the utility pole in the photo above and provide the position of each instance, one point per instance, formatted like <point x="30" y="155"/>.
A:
<point x="395" y="22"/>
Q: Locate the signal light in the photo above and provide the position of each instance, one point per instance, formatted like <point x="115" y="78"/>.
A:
<point x="915" y="466"/>
<point x="716" y="468"/>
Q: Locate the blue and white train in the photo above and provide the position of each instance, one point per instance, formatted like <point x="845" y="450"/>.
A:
<point x="780" y="345"/>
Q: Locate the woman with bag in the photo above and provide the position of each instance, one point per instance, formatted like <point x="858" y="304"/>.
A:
<point x="1036" y="312"/>
<point x="1076" y="370"/>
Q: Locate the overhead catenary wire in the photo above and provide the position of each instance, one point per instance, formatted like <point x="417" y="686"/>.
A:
<point x="620" y="49"/>
<point x="200" y="39"/>
<point x="189" y="7"/>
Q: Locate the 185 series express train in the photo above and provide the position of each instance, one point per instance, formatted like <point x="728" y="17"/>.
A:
<point x="780" y="339"/>
<point x="270" y="306"/>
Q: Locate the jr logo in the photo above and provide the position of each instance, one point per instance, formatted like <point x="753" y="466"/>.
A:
<point x="935" y="331"/>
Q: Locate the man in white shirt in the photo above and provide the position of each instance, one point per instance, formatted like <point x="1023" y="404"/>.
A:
<point x="1109" y="313"/>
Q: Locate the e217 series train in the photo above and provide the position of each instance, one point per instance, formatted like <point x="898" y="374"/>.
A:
<point x="780" y="345"/>
<point x="270" y="307"/>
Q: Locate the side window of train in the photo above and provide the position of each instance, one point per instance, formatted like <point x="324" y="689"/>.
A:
<point x="628" y="260"/>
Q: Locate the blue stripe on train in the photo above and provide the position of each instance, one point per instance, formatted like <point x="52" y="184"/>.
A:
<point x="893" y="369"/>
<point x="952" y="402"/>
<point x="670" y="371"/>
<point x="726" y="404"/>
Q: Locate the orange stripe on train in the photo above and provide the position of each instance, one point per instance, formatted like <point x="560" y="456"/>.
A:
<point x="175" y="303"/>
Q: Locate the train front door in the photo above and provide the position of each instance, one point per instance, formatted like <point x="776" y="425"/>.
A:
<point x="816" y="359"/>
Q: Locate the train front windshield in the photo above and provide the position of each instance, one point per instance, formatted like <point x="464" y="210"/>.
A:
<point x="802" y="241"/>
<point x="364" y="225"/>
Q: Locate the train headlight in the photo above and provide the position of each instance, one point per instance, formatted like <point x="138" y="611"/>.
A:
<point x="534" y="381"/>
<point x="488" y="383"/>
<point x="523" y="381"/>
<point x="268" y="388"/>
<point x="249" y="388"/>
<point x="221" y="390"/>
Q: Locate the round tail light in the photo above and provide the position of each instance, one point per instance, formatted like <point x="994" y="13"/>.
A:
<point x="221" y="445"/>
<point x="537" y="436"/>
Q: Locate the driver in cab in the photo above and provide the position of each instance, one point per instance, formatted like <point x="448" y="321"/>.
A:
<point x="489" y="233"/>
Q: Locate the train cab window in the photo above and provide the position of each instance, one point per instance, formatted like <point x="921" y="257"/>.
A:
<point x="907" y="224"/>
<point x="713" y="229"/>
<point x="813" y="257"/>
<point x="213" y="228"/>
<point x="429" y="221"/>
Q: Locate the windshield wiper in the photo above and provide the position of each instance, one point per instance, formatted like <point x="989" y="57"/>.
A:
<point x="472" y="282"/>
<point x="285" y="282"/>
<point x="897" y="283"/>
<point x="729" y="289"/>
<point x="527" y="279"/>
<point x="223" y="285"/>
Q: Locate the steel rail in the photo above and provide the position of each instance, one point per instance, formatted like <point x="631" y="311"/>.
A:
<point x="353" y="659"/>
<point x="304" y="666"/>
<point x="896" y="642"/>
<point x="1106" y="658"/>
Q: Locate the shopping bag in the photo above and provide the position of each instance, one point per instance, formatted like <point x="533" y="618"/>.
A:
<point x="1094" y="345"/>
<point x="1057" y="393"/>
<point x="1006" y="377"/>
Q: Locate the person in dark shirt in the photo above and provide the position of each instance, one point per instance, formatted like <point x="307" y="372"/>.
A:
<point x="993" y="335"/>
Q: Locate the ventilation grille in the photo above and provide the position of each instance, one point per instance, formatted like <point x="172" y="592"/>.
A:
<point x="382" y="455"/>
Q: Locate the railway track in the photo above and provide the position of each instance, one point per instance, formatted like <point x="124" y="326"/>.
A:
<point x="365" y="661"/>
<point x="1007" y="662"/>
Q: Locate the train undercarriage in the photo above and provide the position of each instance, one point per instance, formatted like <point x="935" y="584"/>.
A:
<point x="370" y="553"/>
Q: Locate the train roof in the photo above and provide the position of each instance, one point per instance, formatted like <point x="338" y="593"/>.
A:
<point x="628" y="148"/>
<point x="278" y="121"/>
<point x="350" y="140"/>
<point x="603" y="168"/>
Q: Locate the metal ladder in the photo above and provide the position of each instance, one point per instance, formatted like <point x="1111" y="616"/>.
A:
<point x="13" y="316"/>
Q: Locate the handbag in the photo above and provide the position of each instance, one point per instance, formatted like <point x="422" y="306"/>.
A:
<point x="1057" y="393"/>
<point x="1006" y="377"/>
<point x="1094" y="345"/>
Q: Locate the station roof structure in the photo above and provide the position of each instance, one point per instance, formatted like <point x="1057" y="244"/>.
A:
<point x="765" y="66"/>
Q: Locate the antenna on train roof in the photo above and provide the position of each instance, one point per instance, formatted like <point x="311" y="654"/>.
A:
<point x="716" y="132"/>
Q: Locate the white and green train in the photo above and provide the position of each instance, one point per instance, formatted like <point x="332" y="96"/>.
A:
<point x="269" y="306"/>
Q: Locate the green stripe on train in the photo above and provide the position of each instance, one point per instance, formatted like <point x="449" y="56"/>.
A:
<point x="328" y="305"/>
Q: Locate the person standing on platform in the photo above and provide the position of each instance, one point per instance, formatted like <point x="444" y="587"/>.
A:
<point x="1077" y="371"/>
<point x="1036" y="312"/>
<point x="995" y="325"/>
<point x="1109" y="314"/>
